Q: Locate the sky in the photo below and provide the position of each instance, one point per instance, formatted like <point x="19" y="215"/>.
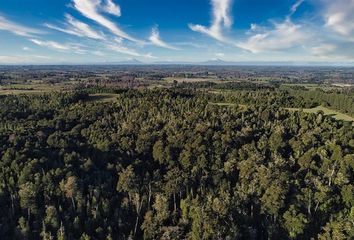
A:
<point x="109" y="31"/>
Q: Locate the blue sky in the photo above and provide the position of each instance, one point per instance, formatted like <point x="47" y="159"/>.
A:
<point x="98" y="31"/>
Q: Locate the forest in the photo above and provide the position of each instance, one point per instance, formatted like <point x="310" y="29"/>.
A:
<point x="168" y="164"/>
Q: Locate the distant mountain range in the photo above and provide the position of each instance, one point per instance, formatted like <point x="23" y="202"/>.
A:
<point x="127" y="62"/>
<point x="212" y="62"/>
<point x="220" y="62"/>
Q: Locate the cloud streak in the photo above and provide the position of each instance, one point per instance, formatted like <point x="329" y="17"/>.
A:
<point x="77" y="28"/>
<point x="59" y="46"/>
<point x="157" y="41"/>
<point x="127" y="51"/>
<point x="111" y="8"/>
<point x="283" y="36"/>
<point x="221" y="19"/>
<point x="17" y="29"/>
<point x="50" y="44"/>
<point x="294" y="7"/>
<point x="92" y="9"/>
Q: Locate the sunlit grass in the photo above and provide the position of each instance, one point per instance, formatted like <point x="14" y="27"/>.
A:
<point x="329" y="112"/>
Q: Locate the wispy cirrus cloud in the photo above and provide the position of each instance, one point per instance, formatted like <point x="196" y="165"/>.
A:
<point x="295" y="6"/>
<point x="32" y="34"/>
<point x="127" y="51"/>
<point x="17" y="29"/>
<point x="26" y="49"/>
<point x="282" y="36"/>
<point x="112" y="8"/>
<point x="77" y="48"/>
<point x="77" y="28"/>
<point x="221" y="19"/>
<point x="92" y="9"/>
<point x="50" y="44"/>
<point x="157" y="41"/>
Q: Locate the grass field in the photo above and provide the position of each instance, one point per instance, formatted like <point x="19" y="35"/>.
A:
<point x="30" y="88"/>
<point x="311" y="86"/>
<point x="191" y="80"/>
<point x="327" y="111"/>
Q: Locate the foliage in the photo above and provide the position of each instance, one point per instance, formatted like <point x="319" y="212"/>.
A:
<point x="166" y="164"/>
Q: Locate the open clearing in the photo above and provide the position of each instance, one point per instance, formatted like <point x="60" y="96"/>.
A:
<point x="314" y="86"/>
<point x="327" y="111"/>
<point x="192" y="80"/>
<point x="29" y="88"/>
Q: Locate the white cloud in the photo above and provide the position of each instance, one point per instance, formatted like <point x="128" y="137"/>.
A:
<point x="294" y="7"/>
<point x="50" y="44"/>
<point x="26" y="49"/>
<point x="92" y="8"/>
<point x="221" y="19"/>
<point x="157" y="41"/>
<point x="283" y="36"/>
<point x="334" y="51"/>
<point x="127" y="51"/>
<point x="77" y="48"/>
<point x="339" y="16"/>
<point x="191" y="44"/>
<point x="77" y="28"/>
<point x="337" y="34"/>
<point x="323" y="49"/>
<point x="220" y="55"/>
<point x="17" y="29"/>
<point x="118" y="40"/>
<point x="112" y="8"/>
<point x="254" y="27"/>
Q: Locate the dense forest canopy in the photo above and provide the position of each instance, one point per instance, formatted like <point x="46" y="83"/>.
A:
<point x="168" y="164"/>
